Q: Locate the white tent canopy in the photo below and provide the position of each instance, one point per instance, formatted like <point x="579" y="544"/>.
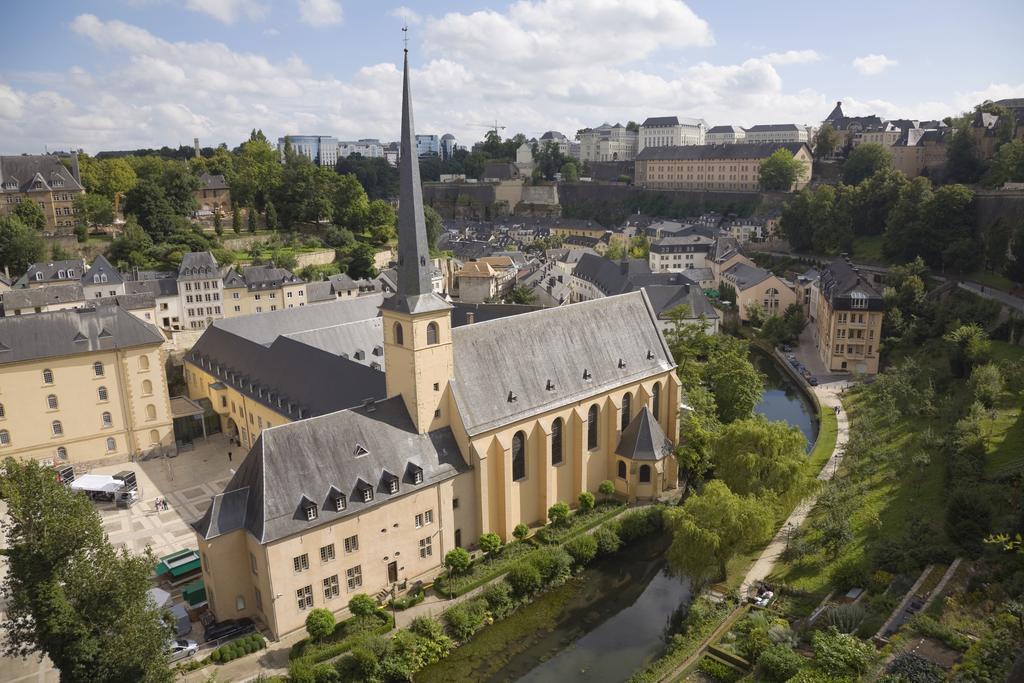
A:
<point x="96" y="482"/>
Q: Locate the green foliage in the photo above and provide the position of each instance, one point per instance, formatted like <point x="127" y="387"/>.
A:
<point x="239" y="648"/>
<point x="927" y="626"/>
<point x="457" y="560"/>
<point x="910" y="667"/>
<point x="986" y="384"/>
<point x="968" y="520"/>
<point x="30" y="213"/>
<point x="701" y="619"/>
<point x="718" y="671"/>
<point x="466" y="618"/>
<point x="320" y="623"/>
<point x="607" y="540"/>
<point x="639" y="523"/>
<point x="586" y="502"/>
<point x="583" y="549"/>
<point x="20" y="245"/>
<point x="362" y="605"/>
<point x="490" y="543"/>
<point x="844" y="618"/>
<point x="970" y="346"/>
<point x="95" y="209"/>
<point x="559" y="513"/>
<point x="780" y="171"/>
<point x="553" y="563"/>
<point x="499" y="599"/>
<point x="521" y="531"/>
<point x="756" y="457"/>
<point x="69" y="594"/>
<point x="991" y="657"/>
<point x="271" y="216"/>
<point x="106" y="177"/>
<point x="606" y="488"/>
<point x="347" y="633"/>
<point x="218" y="225"/>
<point x="522" y="294"/>
<point x="825" y="141"/>
<point x="251" y="216"/>
<point x="524" y="578"/>
<point x="779" y="663"/>
<point x="708" y="529"/>
<point x="570" y="172"/>
<point x="963" y="160"/>
<point x="841" y="654"/>
<point x="864" y="161"/>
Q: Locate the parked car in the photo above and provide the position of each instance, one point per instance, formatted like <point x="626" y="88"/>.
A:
<point x="787" y="348"/>
<point x="180" y="649"/>
<point x="230" y="628"/>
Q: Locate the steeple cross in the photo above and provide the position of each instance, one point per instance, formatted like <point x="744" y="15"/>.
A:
<point x="405" y="36"/>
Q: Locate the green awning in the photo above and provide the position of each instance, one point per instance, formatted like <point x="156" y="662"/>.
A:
<point x="194" y="593"/>
<point x="178" y="564"/>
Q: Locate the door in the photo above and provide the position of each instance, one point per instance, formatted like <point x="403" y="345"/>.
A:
<point x="458" y="538"/>
<point x="392" y="572"/>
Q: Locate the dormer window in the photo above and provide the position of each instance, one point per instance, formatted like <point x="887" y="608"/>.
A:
<point x="365" y="491"/>
<point x="416" y="473"/>
<point x="39" y="276"/>
<point x="340" y="502"/>
<point x="95" y="278"/>
<point x="61" y="274"/>
<point x="390" y="482"/>
<point x="71" y="272"/>
<point x="311" y="512"/>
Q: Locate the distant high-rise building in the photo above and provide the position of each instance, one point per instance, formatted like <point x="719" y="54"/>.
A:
<point x="448" y="146"/>
<point x="428" y="145"/>
<point x="320" y="149"/>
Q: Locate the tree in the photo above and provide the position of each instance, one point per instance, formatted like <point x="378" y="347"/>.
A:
<point x="826" y="140"/>
<point x="582" y="549"/>
<point x="906" y="225"/>
<point x="586" y="501"/>
<point x="734" y="381"/>
<point x="780" y="171"/>
<point x="570" y="172"/>
<point x="548" y="159"/>
<point x="779" y="662"/>
<point x="970" y="347"/>
<point x="132" y="247"/>
<point x="710" y="528"/>
<point x="362" y="605"/>
<point x="30" y="214"/>
<point x="359" y="262"/>
<point x="95" y="209"/>
<point x="236" y="219"/>
<point x="255" y="171"/>
<point x="521" y="532"/>
<point x="381" y="221"/>
<point x="633" y="126"/>
<point x="521" y="294"/>
<point x="271" y="216"/>
<point x="841" y="654"/>
<point x="218" y="226"/>
<point x="986" y="384"/>
<point x="457" y="561"/>
<point x="69" y="594"/>
<point x="108" y="177"/>
<point x="795" y="222"/>
<point x="435" y="226"/>
<point x="251" y="211"/>
<point x="20" y="245"/>
<point x="320" y="623"/>
<point x="963" y="162"/>
<point x="559" y="514"/>
<point x="524" y="578"/>
<point x="864" y="161"/>
<point x="1007" y="166"/>
<point x="148" y="203"/>
<point x="490" y="543"/>
<point x="754" y="457"/>
<point x="351" y="205"/>
<point x="606" y="488"/>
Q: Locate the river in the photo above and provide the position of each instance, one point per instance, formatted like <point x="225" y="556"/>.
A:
<point x="783" y="399"/>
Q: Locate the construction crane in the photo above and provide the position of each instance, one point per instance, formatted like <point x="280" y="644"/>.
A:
<point x="495" y="127"/>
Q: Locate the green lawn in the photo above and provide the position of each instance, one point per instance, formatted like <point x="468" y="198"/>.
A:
<point x="868" y="249"/>
<point x="990" y="279"/>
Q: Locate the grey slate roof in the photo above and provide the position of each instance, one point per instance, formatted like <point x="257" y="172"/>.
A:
<point x="319" y="291"/>
<point x="643" y="439"/>
<point x="480" y="313"/>
<point x="264" y="328"/>
<point x="726" y="129"/>
<point x="130" y="302"/>
<point x="774" y="128"/>
<point x="43" y="296"/>
<point x="665" y="298"/>
<point x="157" y="287"/>
<point x="839" y="280"/>
<point x="744" y="276"/>
<point x="315" y="460"/>
<point x="212" y="182"/>
<point x="73" y="270"/>
<point x="19" y="173"/>
<point x="758" y="150"/>
<point x="361" y="341"/>
<point x="71" y="332"/>
<point x="553" y="345"/>
<point x="101" y="266"/>
<point x="256" y="278"/>
<point x="197" y="265"/>
<point x="661" y="121"/>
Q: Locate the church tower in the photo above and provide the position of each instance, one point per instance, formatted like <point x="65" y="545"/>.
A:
<point x="417" y="322"/>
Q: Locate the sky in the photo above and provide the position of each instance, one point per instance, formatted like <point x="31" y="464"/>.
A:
<point x="123" y="74"/>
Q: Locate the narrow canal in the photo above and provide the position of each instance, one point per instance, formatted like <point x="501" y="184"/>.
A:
<point x="783" y="399"/>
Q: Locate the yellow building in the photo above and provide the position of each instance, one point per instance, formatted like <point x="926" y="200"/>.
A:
<point x="758" y="289"/>
<point x="715" y="167"/>
<point x="848" y="320"/>
<point x="482" y="427"/>
<point x="82" y="385"/>
<point x="257" y="289"/>
<point x="42" y="179"/>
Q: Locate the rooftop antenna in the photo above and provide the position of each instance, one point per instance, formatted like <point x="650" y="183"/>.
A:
<point x="405" y="36"/>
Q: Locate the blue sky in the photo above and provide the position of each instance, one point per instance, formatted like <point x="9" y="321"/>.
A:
<point x="126" y="73"/>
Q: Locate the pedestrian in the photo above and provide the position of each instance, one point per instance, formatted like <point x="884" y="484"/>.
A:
<point x="229" y="456"/>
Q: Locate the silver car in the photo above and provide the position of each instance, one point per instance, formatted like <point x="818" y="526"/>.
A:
<point x="180" y="649"/>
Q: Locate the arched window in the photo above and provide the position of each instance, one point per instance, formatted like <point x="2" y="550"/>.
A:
<point x="101" y="392"/>
<point x="57" y="427"/>
<point x="150" y="412"/>
<point x="656" y="400"/>
<point x="645" y="474"/>
<point x="556" y="441"/>
<point x="3" y="413"/>
<point x="47" y="376"/>
<point x="111" y="444"/>
<point x="519" y="456"/>
<point x="147" y="387"/>
<point x="5" y="437"/>
<point x="62" y="453"/>
<point x="432" y="333"/>
<point x="627" y="404"/>
<point x="399" y="334"/>
<point x="154" y="437"/>
<point x="51" y="402"/>
<point x="108" y="421"/>
<point x="143" y="362"/>
<point x="592" y="428"/>
<point x="622" y="469"/>
<point x="97" y="368"/>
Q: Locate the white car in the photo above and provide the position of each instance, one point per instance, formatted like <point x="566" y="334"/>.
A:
<point x="180" y="649"/>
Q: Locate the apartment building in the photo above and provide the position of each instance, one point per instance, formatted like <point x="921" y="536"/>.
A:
<point x="758" y="289"/>
<point x="82" y="385"/>
<point x="671" y="131"/>
<point x="485" y="279"/>
<point x="255" y="289"/>
<point x="687" y="249"/>
<point x="608" y="143"/>
<point x="43" y="179"/>
<point x="725" y="135"/>
<point x="714" y="167"/>
<point x="848" y="320"/>
<point x="777" y="132"/>
<point x="199" y="288"/>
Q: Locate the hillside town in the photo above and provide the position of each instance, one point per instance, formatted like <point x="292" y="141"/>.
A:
<point x="688" y="394"/>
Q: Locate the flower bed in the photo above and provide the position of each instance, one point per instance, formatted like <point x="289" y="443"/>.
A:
<point x="579" y="523"/>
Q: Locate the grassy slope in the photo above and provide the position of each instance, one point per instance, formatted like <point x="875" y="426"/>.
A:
<point x="1005" y="434"/>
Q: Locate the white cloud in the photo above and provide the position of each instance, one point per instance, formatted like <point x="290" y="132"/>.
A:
<point x="320" y="12"/>
<point x="871" y="65"/>
<point x="272" y="32"/>
<point x="229" y="11"/>
<point x="792" y="57"/>
<point x="406" y="14"/>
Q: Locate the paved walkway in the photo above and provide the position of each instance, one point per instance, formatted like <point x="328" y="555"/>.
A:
<point x="829" y="396"/>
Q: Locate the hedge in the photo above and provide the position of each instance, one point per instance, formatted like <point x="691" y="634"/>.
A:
<point x="346" y="635"/>
<point x="238" y="648"/>
<point x="409" y="600"/>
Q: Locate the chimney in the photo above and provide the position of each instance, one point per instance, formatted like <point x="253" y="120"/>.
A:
<point x="195" y="143"/>
<point x="470" y="317"/>
<point x="370" y="404"/>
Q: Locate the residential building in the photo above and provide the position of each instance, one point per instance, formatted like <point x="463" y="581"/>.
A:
<point x="848" y="320"/>
<point x="214" y="194"/>
<point x="43" y="179"/>
<point x="163" y="288"/>
<point x="921" y="151"/>
<point x="320" y="149"/>
<point x="608" y="143"/>
<point x="199" y="288"/>
<point x="485" y="279"/>
<point x="471" y="439"/>
<point x="256" y="289"/>
<point x="714" y="167"/>
<point x="671" y="131"/>
<point x="848" y="128"/>
<point x="725" y="135"/>
<point x="47" y="273"/>
<point x="428" y="145"/>
<point x="339" y="286"/>
<point x="28" y="301"/>
<point x="758" y="289"/>
<point x="683" y="251"/>
<point x="82" y="385"/>
<point x="391" y="152"/>
<point x="777" y="132"/>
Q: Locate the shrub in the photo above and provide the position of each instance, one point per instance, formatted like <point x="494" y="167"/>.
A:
<point x="850" y="573"/>
<point x="586" y="501"/>
<point x="582" y="549"/>
<point x="524" y="579"/>
<point x="499" y="599"/>
<point x="521" y="531"/>
<point x="427" y="627"/>
<point x="606" y="489"/>
<point x="779" y="663"/>
<point x="490" y="543"/>
<point x="927" y="626"/>
<point x="718" y="670"/>
<point x="559" y="514"/>
<point x="466" y="618"/>
<point x="638" y="523"/>
<point x="320" y="623"/>
<point x="215" y="656"/>
<point x="880" y="581"/>
<point x="408" y="600"/>
<point x="840" y="654"/>
<point x="608" y="540"/>
<point x="457" y="560"/>
<point x="844" y="618"/>
<point x="362" y="605"/>
<point x="553" y="563"/>
<point x="968" y="520"/>
<point x="908" y="667"/>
